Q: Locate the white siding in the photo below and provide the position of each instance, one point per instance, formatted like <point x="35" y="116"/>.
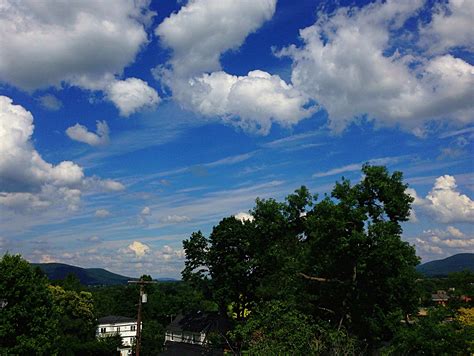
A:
<point x="127" y="331"/>
<point x="187" y="337"/>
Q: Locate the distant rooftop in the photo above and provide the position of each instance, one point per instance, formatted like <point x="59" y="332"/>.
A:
<point x="199" y="322"/>
<point x="116" y="319"/>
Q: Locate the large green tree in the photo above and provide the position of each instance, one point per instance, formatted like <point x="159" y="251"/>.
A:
<point x="360" y="273"/>
<point x="340" y="260"/>
<point x="28" y="324"/>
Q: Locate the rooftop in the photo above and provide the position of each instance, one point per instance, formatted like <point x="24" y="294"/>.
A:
<point x="199" y="322"/>
<point x="116" y="319"/>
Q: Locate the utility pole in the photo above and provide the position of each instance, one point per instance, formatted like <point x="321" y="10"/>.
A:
<point x="141" y="299"/>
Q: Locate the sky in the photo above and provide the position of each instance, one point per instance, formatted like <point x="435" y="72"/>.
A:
<point x="127" y="125"/>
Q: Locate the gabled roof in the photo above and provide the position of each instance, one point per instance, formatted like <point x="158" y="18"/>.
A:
<point x="116" y="319"/>
<point x="199" y="322"/>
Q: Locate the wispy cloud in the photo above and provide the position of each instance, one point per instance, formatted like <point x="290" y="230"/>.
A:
<point x="467" y="130"/>
<point x="198" y="168"/>
<point x="357" y="166"/>
<point x="293" y="140"/>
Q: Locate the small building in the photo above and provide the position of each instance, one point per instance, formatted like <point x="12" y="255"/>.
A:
<point x="125" y="327"/>
<point x="440" y="297"/>
<point x="190" y="334"/>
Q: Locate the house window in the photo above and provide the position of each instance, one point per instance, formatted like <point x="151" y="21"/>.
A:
<point x="133" y="327"/>
<point x="103" y="330"/>
<point x="118" y="328"/>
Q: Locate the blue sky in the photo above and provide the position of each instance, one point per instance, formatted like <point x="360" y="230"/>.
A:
<point x="125" y="126"/>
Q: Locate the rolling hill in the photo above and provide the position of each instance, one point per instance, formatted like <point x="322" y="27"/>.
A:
<point x="455" y="263"/>
<point x="87" y="276"/>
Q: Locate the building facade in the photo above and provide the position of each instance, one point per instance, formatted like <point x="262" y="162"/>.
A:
<point x="125" y="327"/>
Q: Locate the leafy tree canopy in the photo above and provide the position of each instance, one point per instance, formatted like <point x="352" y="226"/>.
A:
<point x="27" y="322"/>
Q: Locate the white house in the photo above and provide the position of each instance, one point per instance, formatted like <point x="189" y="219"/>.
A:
<point x="125" y="327"/>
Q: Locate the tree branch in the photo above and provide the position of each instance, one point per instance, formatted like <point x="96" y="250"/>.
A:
<point x="319" y="279"/>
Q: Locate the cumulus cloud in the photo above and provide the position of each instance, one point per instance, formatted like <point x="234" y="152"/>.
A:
<point x="204" y="29"/>
<point x="444" y="242"/>
<point x="198" y="35"/>
<point x="244" y="217"/>
<point x="27" y="181"/>
<point x="450" y="27"/>
<point x="138" y="248"/>
<point x="251" y="102"/>
<point x="80" y="133"/>
<point x="397" y="89"/>
<point x="132" y="95"/>
<point x="102" y="213"/>
<point x="445" y="203"/>
<point x="50" y="102"/>
<point x="68" y="41"/>
<point x="85" y="44"/>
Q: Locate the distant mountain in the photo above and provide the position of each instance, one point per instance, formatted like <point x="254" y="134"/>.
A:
<point x="87" y="276"/>
<point x="455" y="263"/>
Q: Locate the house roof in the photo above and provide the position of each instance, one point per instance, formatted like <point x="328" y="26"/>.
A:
<point x="116" y="319"/>
<point x="199" y="322"/>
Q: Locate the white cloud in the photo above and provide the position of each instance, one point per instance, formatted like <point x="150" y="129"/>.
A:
<point x="342" y="65"/>
<point x="445" y="203"/>
<point x="85" y="44"/>
<point x="358" y="166"/>
<point x="138" y="248"/>
<point x="450" y="27"/>
<point x="144" y="216"/>
<point x="204" y="29"/>
<point x="251" y="102"/>
<point x="110" y="185"/>
<point x="444" y="242"/>
<point x="102" y="213"/>
<point x="50" y="102"/>
<point x="72" y="42"/>
<point x="132" y="95"/>
<point x="244" y="217"/>
<point x="27" y="182"/>
<point x="175" y="219"/>
<point x="168" y="253"/>
<point x="81" y="134"/>
<point x="198" y="35"/>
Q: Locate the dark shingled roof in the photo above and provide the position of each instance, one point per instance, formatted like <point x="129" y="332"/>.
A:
<point x="115" y="319"/>
<point x="199" y="322"/>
